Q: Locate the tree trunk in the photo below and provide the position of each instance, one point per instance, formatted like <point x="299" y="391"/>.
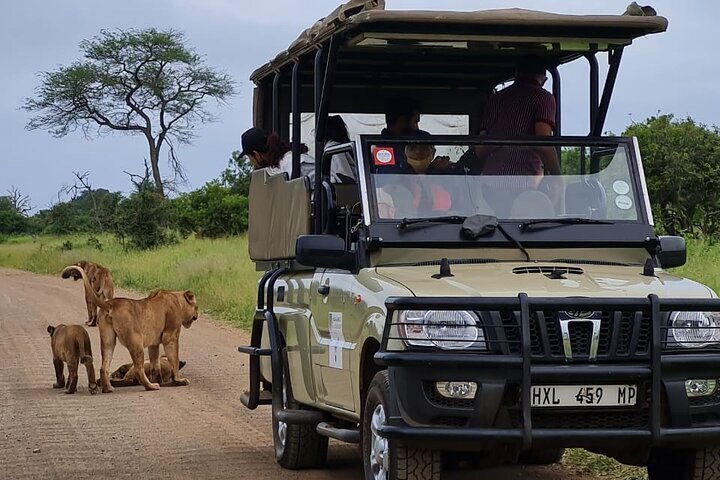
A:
<point x="154" y="158"/>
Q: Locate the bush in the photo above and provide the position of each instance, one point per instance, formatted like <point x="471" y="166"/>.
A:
<point x="93" y="242"/>
<point x="143" y="218"/>
<point x="212" y="211"/>
<point x="12" y="222"/>
<point x="682" y="165"/>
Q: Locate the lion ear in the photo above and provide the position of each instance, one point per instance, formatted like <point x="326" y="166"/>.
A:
<point x="189" y="296"/>
<point x="51" y="330"/>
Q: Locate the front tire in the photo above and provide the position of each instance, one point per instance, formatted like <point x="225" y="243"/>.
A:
<point x="297" y="447"/>
<point x="386" y="459"/>
<point x="669" y="464"/>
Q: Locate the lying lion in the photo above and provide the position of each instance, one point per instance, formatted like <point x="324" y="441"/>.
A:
<point x="147" y="322"/>
<point x="71" y="345"/>
<point x="125" y="375"/>
<point x="102" y="283"/>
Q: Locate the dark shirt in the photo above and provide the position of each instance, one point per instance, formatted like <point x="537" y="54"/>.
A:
<point x="513" y="112"/>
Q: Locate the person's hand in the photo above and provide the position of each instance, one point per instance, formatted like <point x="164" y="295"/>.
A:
<point x="441" y="163"/>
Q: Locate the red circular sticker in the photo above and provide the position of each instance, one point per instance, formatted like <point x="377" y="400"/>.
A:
<point x="383" y="156"/>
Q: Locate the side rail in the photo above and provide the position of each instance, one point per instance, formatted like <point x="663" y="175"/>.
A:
<point x="662" y="343"/>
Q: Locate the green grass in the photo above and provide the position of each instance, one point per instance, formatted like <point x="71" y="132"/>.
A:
<point x="224" y="279"/>
<point x="218" y="271"/>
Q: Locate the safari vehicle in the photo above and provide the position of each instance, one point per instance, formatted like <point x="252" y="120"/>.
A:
<point x="506" y="325"/>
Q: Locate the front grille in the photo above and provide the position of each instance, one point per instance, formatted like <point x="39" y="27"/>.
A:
<point x="592" y="420"/>
<point x="623" y="335"/>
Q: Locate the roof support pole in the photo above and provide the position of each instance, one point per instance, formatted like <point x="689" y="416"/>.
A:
<point x="276" y="103"/>
<point x="295" y="81"/>
<point x="594" y="88"/>
<point x="317" y="89"/>
<point x="615" y="56"/>
<point x="557" y="93"/>
<point x="321" y="114"/>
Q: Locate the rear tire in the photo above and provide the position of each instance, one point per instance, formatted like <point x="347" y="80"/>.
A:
<point x="386" y="459"/>
<point x="542" y="456"/>
<point x="669" y="464"/>
<point x="297" y="447"/>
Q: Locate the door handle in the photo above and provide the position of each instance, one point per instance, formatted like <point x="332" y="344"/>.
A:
<point x="324" y="289"/>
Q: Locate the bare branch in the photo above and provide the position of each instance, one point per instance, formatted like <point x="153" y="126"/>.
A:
<point x="20" y="201"/>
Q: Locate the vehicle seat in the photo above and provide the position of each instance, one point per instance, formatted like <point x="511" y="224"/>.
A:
<point x="586" y="197"/>
<point x="532" y="204"/>
<point x="346" y="195"/>
<point x="279" y="212"/>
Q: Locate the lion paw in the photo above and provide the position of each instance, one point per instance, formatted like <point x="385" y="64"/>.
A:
<point x="92" y="388"/>
<point x="107" y="389"/>
<point x="181" y="382"/>
<point x="59" y="385"/>
<point x="152" y="386"/>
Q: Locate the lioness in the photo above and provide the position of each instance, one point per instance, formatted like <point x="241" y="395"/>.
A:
<point x="125" y="375"/>
<point x="71" y="345"/>
<point x="102" y="283"/>
<point x="147" y="322"/>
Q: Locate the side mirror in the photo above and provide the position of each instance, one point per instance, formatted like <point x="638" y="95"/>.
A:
<point x="673" y="252"/>
<point x="325" y="251"/>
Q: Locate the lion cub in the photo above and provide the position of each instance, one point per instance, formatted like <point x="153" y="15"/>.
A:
<point x="125" y="376"/>
<point x="71" y="345"/>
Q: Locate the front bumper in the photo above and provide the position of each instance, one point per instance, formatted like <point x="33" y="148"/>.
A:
<point x="501" y="411"/>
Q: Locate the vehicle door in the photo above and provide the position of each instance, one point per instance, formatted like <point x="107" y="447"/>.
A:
<point x="333" y="333"/>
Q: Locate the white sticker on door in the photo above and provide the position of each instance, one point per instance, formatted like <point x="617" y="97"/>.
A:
<point x="621" y="187"/>
<point x="336" y="340"/>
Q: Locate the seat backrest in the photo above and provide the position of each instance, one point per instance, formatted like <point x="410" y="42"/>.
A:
<point x="346" y="194"/>
<point x="532" y="204"/>
<point x="279" y="212"/>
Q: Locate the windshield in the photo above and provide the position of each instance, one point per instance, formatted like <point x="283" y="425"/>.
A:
<point x="509" y="180"/>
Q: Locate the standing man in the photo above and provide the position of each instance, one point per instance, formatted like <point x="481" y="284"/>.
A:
<point x="523" y="109"/>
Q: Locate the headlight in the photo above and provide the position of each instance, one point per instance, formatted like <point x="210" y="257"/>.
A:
<point x="695" y="329"/>
<point x="446" y="329"/>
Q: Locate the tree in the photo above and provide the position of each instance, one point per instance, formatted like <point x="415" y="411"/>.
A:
<point x="682" y="165"/>
<point x="11" y="221"/>
<point x="145" y="82"/>
<point x="237" y="175"/>
<point x="20" y="201"/>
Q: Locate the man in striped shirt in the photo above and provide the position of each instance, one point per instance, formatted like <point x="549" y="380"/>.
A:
<point x="523" y="109"/>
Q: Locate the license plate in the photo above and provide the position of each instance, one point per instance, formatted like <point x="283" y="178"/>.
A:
<point x="550" y="396"/>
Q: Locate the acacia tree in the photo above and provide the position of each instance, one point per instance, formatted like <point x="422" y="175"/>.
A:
<point x="146" y="82"/>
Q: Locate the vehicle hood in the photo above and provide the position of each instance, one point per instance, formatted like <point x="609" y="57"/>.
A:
<point x="500" y="280"/>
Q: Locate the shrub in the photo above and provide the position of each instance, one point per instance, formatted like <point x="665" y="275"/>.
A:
<point x="143" y="218"/>
<point x="212" y="211"/>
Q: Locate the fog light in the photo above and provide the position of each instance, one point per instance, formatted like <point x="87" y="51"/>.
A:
<point x="456" y="389"/>
<point x="700" y="387"/>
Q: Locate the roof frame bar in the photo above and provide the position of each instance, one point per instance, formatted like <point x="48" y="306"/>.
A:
<point x="296" y="119"/>
<point x="614" y="58"/>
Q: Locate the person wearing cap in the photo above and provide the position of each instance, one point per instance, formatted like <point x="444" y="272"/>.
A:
<point x="274" y="153"/>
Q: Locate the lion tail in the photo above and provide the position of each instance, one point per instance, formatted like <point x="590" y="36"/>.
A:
<point x="95" y="298"/>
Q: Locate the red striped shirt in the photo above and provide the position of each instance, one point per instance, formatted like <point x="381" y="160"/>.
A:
<point x="513" y="112"/>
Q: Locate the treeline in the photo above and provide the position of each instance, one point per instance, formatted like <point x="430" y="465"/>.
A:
<point x="143" y="219"/>
<point x="681" y="159"/>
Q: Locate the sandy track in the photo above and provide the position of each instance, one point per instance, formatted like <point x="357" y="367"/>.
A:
<point x="199" y="431"/>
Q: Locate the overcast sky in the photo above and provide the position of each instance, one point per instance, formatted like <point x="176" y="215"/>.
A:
<point x="675" y="72"/>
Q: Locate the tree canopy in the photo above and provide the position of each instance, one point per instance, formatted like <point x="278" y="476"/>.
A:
<point x="146" y="82"/>
<point x="682" y="166"/>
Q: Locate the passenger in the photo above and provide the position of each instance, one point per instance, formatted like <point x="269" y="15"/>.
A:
<point x="429" y="195"/>
<point x="274" y="153"/>
<point x="523" y="109"/>
<point x="342" y="165"/>
<point x="520" y="110"/>
<point x="402" y="116"/>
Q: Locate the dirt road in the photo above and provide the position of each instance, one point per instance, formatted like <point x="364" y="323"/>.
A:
<point x="199" y="431"/>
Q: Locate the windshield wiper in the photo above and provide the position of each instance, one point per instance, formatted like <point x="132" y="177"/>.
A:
<point x="448" y="219"/>
<point x="525" y="226"/>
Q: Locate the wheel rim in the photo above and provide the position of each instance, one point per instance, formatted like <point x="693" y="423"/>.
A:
<point x="379" y="459"/>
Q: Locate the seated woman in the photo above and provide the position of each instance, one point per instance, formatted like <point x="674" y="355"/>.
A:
<point x="342" y="165"/>
<point x="274" y="153"/>
<point x="419" y="193"/>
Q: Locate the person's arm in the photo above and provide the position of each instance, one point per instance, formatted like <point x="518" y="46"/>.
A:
<point x="550" y="161"/>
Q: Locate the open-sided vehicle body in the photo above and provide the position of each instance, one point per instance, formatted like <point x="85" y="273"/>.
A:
<point x="488" y="315"/>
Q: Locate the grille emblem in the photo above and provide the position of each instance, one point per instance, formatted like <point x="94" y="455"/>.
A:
<point x="571" y="317"/>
